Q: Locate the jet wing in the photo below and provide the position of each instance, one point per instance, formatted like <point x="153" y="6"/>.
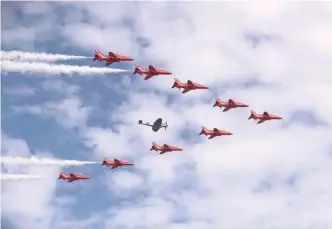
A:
<point x="117" y="161"/>
<point x="152" y="69"/>
<point x="227" y="108"/>
<point x="261" y="121"/>
<point x="186" y="90"/>
<point x="112" y="55"/>
<point x="190" y="83"/>
<point x="212" y="136"/>
<point x="215" y="130"/>
<point x="231" y="101"/>
<point x="148" y="76"/>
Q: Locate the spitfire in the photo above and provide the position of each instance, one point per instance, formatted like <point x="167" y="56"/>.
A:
<point x="156" y="124"/>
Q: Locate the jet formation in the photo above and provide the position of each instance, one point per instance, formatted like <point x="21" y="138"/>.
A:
<point x="187" y="86"/>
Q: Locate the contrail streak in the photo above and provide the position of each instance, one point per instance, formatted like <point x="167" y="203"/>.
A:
<point x="35" y="56"/>
<point x="37" y="67"/>
<point x="19" y="177"/>
<point x="43" y="161"/>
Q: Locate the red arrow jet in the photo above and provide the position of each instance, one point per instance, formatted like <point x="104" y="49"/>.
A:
<point x="262" y="117"/>
<point x="188" y="86"/>
<point x="72" y="177"/>
<point x="150" y="72"/>
<point x="214" y="132"/>
<point x="115" y="163"/>
<point x="228" y="104"/>
<point x="164" y="148"/>
<point x="111" y="57"/>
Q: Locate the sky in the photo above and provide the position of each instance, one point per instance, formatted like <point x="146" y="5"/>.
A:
<point x="276" y="57"/>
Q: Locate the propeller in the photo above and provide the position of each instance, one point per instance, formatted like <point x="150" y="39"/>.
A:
<point x="166" y="125"/>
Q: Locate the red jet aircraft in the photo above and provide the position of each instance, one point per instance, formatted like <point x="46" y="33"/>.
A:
<point x="72" y="177"/>
<point x="188" y="86"/>
<point x="151" y="71"/>
<point x="228" y="104"/>
<point x="164" y="148"/>
<point x="111" y="57"/>
<point x="115" y="163"/>
<point x="214" y="132"/>
<point x="262" y="117"/>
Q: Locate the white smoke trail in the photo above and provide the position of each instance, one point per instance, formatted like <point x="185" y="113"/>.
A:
<point x="19" y="177"/>
<point x="23" y="67"/>
<point x="43" y="161"/>
<point x="35" y="56"/>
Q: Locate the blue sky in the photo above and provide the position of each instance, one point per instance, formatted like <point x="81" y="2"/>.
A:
<point x="273" y="175"/>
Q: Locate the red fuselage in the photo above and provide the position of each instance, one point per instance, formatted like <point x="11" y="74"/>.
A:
<point x="72" y="177"/>
<point x="111" y="58"/>
<point x="214" y="132"/>
<point x="116" y="163"/>
<point x="230" y="104"/>
<point x="188" y="86"/>
<point x="150" y="72"/>
<point x="263" y="117"/>
<point x="164" y="148"/>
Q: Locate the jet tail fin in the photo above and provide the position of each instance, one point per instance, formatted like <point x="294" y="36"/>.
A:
<point x="138" y="69"/>
<point x="252" y="115"/>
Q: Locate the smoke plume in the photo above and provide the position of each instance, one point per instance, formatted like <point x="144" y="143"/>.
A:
<point x="43" y="161"/>
<point x="37" y="67"/>
<point x="19" y="177"/>
<point x="35" y="56"/>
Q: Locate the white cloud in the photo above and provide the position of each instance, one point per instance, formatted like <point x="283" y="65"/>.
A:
<point x="69" y="112"/>
<point x="29" y="200"/>
<point x="204" y="42"/>
<point x="20" y="90"/>
<point x="211" y="49"/>
<point x="122" y="182"/>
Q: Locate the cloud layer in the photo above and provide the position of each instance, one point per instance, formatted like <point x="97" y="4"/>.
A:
<point x="273" y="57"/>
